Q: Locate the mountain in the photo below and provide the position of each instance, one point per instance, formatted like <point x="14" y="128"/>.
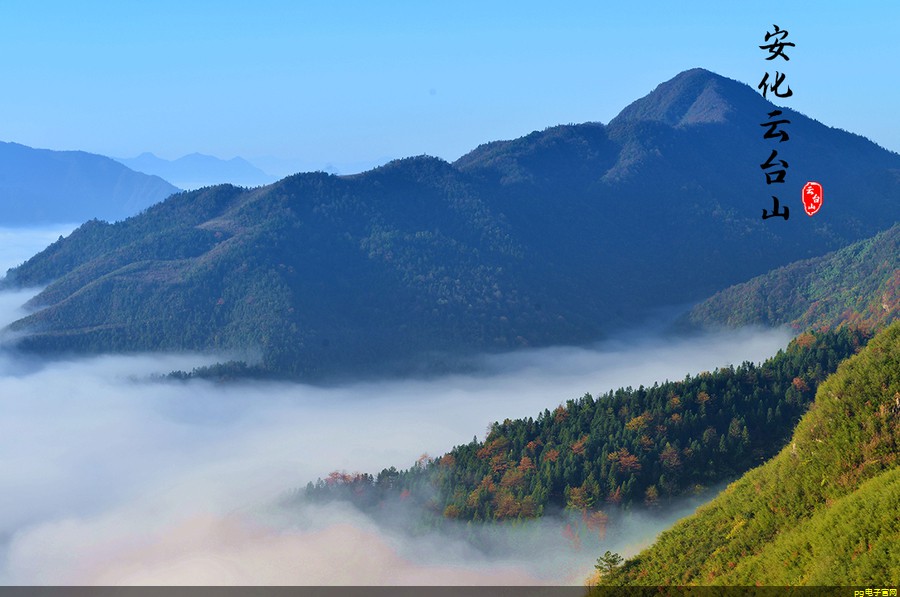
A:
<point x="40" y="186"/>
<point x="630" y="447"/>
<point x="857" y="285"/>
<point x="823" y="512"/>
<point x="557" y="237"/>
<point x="196" y="170"/>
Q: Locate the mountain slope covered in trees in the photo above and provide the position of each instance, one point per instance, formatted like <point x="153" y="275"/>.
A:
<point x="557" y="237"/>
<point x="632" y="446"/>
<point x="822" y="512"/>
<point x="857" y="285"/>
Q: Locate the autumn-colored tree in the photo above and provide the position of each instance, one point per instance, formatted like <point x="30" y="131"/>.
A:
<point x="637" y="423"/>
<point x="669" y="457"/>
<point x="560" y="414"/>
<point x="451" y="511"/>
<point x="800" y="385"/>
<point x="579" y="499"/>
<point x="526" y="465"/>
<point x="570" y="534"/>
<point x="627" y="461"/>
<point x="512" y="478"/>
<point x="805" y="340"/>
<point x="505" y="505"/>
<point x="579" y="446"/>
<point x="596" y="521"/>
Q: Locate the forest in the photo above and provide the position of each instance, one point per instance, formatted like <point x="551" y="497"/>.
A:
<point x="628" y="447"/>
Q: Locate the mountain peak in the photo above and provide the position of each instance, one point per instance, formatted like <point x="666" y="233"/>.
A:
<point x="695" y="96"/>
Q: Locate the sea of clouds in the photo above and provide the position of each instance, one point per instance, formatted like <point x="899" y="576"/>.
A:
<point x="111" y="475"/>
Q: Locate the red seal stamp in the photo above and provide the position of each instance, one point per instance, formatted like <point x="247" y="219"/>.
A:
<point x="812" y="198"/>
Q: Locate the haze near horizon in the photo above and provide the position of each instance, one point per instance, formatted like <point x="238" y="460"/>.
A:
<point x="352" y="83"/>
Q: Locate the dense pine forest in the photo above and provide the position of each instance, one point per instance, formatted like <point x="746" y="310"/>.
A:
<point x="823" y="512"/>
<point x="631" y="446"/>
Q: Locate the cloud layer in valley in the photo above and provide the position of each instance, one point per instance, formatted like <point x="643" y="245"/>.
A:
<point x="111" y="476"/>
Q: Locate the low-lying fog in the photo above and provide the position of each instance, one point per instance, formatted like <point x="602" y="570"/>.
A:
<point x="110" y="477"/>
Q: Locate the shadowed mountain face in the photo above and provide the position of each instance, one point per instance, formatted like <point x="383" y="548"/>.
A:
<point x="39" y="186"/>
<point x="556" y="237"/>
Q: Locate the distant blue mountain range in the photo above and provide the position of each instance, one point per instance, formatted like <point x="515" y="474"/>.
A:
<point x="40" y="186"/>
<point x="196" y="170"/>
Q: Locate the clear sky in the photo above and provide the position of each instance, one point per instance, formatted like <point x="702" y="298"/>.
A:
<point x="340" y="81"/>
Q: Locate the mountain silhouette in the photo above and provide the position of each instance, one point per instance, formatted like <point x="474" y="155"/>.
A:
<point x="560" y="236"/>
<point x="40" y="186"/>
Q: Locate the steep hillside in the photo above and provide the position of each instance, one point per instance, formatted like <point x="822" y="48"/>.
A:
<point x="558" y="237"/>
<point x="39" y="186"/>
<point x="629" y="447"/>
<point x="822" y="512"/>
<point x="857" y="285"/>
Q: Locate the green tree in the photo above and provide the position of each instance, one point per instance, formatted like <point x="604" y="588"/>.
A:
<point x="608" y="562"/>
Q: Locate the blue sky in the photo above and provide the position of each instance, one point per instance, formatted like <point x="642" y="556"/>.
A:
<point x="340" y="81"/>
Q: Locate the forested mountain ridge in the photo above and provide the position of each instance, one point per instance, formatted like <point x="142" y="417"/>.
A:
<point x="40" y="186"/>
<point x="632" y="446"/>
<point x="857" y="285"/>
<point x="823" y="512"/>
<point x="557" y="237"/>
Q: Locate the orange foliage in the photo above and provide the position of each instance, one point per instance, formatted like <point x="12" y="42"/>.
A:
<point x="512" y="478"/>
<point x="342" y="478"/>
<point x="596" y="522"/>
<point x="805" y="340"/>
<point x="579" y="498"/>
<point x="669" y="457"/>
<point x="579" y="446"/>
<point x="493" y="447"/>
<point x="505" y="505"/>
<point x="637" y="423"/>
<point x="800" y="385"/>
<point x="560" y="414"/>
<point x="570" y="534"/>
<point x="499" y="463"/>
<point x="627" y="462"/>
<point x="550" y="455"/>
<point x="526" y="464"/>
<point x="615" y="496"/>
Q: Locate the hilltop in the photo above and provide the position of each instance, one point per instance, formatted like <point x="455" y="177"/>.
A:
<point x="559" y="237"/>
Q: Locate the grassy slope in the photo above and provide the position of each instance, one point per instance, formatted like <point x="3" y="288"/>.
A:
<point x="823" y="511"/>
